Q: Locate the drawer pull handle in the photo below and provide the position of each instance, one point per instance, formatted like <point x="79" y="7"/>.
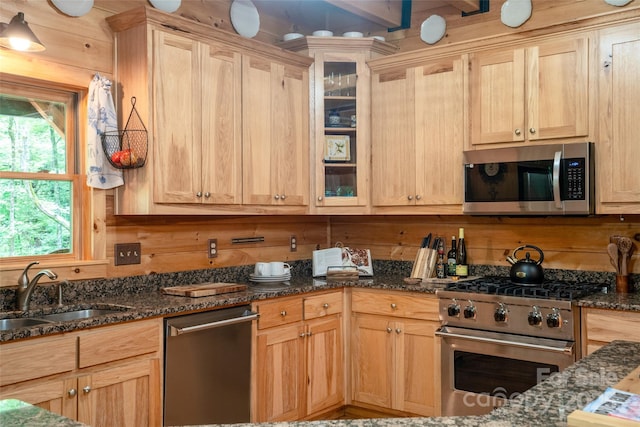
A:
<point x="389" y="330"/>
<point x="398" y="330"/>
<point x="302" y="335"/>
<point x="72" y="392"/>
<point x="283" y="313"/>
<point x="393" y="306"/>
<point x="309" y="333"/>
<point x="87" y="389"/>
<point x="325" y="305"/>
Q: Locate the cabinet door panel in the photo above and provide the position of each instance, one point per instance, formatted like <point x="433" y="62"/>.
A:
<point x="325" y="374"/>
<point x="372" y="360"/>
<point x="497" y="96"/>
<point x="280" y="367"/>
<point x="415" y="367"/>
<point x="52" y="395"/>
<point x="221" y="125"/>
<point x="177" y="124"/>
<point x="618" y="147"/>
<point x="558" y="88"/>
<point x="393" y="139"/>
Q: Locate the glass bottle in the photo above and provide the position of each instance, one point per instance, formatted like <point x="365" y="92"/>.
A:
<point x="451" y="258"/>
<point x="462" y="269"/>
<point x="441" y="270"/>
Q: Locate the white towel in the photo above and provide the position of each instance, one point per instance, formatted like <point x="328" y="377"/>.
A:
<point x="102" y="118"/>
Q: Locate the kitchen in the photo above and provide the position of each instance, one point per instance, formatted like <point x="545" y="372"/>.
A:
<point x="168" y="246"/>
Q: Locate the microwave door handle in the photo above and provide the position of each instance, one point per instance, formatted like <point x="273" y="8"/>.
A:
<point x="556" y="179"/>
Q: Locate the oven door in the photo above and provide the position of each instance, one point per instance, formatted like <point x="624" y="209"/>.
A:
<point x="481" y="369"/>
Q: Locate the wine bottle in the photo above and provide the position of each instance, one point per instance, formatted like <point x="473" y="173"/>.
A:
<point x="451" y="258"/>
<point x="462" y="269"/>
<point x="441" y="270"/>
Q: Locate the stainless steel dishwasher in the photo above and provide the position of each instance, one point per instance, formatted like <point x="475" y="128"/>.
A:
<point x="207" y="371"/>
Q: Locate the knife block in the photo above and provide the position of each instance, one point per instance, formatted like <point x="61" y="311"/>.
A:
<point x="425" y="263"/>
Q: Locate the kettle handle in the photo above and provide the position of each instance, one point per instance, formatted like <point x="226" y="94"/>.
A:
<point x="531" y="247"/>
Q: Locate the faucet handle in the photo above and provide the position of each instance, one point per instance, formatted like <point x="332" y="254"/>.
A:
<point x="23" y="280"/>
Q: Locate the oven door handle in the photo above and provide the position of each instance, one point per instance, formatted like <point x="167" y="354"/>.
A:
<point x="568" y="348"/>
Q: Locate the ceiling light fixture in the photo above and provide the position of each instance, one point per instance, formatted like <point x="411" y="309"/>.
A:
<point x="17" y="35"/>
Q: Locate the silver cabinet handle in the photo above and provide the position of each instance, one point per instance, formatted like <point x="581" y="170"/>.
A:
<point x="207" y="195"/>
<point x="325" y="305"/>
<point x="393" y="306"/>
<point x="532" y="131"/>
<point x="398" y="330"/>
<point x="72" y="392"/>
<point x="277" y="197"/>
<point x="517" y="132"/>
<point x="389" y="330"/>
<point x="284" y="196"/>
<point x="418" y="197"/>
<point x="283" y="313"/>
<point x="409" y="197"/>
<point x="87" y="389"/>
<point x="319" y="198"/>
<point x="199" y="194"/>
<point x="309" y="333"/>
<point x="302" y="335"/>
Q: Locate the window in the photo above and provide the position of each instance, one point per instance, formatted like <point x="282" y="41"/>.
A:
<point x="40" y="184"/>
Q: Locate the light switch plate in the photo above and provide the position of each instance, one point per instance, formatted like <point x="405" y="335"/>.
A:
<point x="127" y="253"/>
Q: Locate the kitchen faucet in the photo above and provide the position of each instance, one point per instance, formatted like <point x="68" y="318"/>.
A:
<point x="26" y="286"/>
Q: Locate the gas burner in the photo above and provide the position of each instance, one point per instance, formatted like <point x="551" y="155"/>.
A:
<point x="550" y="289"/>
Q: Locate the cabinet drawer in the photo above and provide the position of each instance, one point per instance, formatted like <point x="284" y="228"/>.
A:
<point x="322" y="305"/>
<point x="279" y="312"/>
<point x="119" y="342"/>
<point x="394" y="304"/>
<point x="39" y="358"/>
<point x="609" y="325"/>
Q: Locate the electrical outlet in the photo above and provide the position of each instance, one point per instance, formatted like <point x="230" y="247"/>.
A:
<point x="293" y="243"/>
<point x="212" y="249"/>
<point x="127" y="253"/>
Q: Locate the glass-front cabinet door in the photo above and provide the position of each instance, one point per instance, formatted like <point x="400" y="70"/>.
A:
<point x="342" y="110"/>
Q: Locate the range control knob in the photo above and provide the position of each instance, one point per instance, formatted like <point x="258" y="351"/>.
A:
<point x="453" y="310"/>
<point x="500" y="315"/>
<point x="553" y="319"/>
<point x="470" y="311"/>
<point x="535" y="317"/>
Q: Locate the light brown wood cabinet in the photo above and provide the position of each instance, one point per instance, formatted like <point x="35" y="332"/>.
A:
<point x="618" y="175"/>
<point x="394" y="357"/>
<point x="530" y="93"/>
<point x="418" y="131"/>
<point x="102" y="377"/>
<point x="227" y="118"/>
<point x="601" y="326"/>
<point x="299" y="357"/>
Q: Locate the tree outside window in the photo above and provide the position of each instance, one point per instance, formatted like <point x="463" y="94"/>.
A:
<point x="39" y="184"/>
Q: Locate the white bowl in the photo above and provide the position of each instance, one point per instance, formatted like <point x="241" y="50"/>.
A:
<point x="323" y="33"/>
<point x="380" y="38"/>
<point x="352" y="34"/>
<point x="292" y="36"/>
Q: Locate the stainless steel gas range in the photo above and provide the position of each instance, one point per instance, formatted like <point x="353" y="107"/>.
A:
<point x="498" y="339"/>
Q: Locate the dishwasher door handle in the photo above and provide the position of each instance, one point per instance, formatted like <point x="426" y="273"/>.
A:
<point x="249" y="316"/>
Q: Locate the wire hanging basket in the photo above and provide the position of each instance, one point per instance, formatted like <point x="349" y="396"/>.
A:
<point x="127" y="148"/>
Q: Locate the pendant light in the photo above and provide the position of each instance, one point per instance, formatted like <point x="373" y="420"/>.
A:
<point x="17" y="35"/>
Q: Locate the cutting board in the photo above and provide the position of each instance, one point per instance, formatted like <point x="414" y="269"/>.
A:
<point x="204" y="289"/>
<point x="578" y="418"/>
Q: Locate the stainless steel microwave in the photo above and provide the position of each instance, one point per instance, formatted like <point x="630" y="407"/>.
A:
<point x="533" y="180"/>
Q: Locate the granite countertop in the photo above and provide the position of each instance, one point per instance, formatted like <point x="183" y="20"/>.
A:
<point x="153" y="303"/>
<point x="547" y="404"/>
<point x="17" y="413"/>
<point x="612" y="300"/>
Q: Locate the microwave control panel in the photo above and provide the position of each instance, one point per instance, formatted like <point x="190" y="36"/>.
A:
<point x="574" y="179"/>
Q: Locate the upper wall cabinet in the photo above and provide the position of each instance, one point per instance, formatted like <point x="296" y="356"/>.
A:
<point x="531" y="93"/>
<point x="340" y="120"/>
<point x="418" y="133"/>
<point x="227" y="119"/>
<point x="618" y="148"/>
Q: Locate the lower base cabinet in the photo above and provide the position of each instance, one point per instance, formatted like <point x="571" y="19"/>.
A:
<point x="115" y="383"/>
<point x="394" y="354"/>
<point x="601" y="326"/>
<point x="299" y="357"/>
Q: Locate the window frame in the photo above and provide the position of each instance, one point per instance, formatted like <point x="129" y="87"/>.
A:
<point x="88" y="250"/>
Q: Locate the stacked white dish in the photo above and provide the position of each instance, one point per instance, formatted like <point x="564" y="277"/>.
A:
<point x="266" y="279"/>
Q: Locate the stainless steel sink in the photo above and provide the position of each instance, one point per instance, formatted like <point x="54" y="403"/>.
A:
<point x="21" y="322"/>
<point x="77" y="314"/>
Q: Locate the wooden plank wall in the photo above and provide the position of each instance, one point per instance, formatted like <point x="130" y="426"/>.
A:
<point x="567" y="242"/>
